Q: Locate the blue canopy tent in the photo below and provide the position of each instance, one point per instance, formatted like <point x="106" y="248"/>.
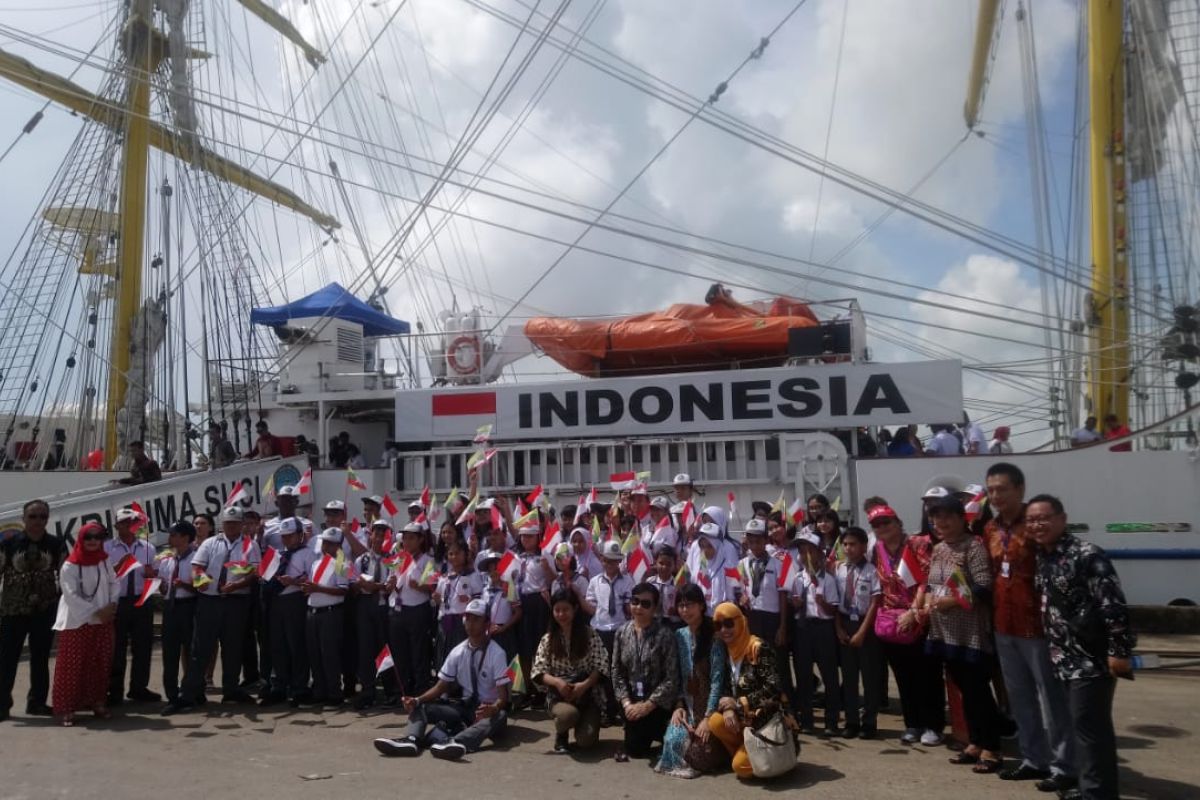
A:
<point x="332" y="301"/>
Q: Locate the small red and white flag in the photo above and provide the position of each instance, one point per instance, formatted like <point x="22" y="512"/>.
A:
<point x="508" y="567"/>
<point x="733" y="578"/>
<point x="638" y="564"/>
<point x="269" y="564"/>
<point x="910" y="569"/>
<point x="732" y="505"/>
<point x="148" y="588"/>
<point x="785" y="571"/>
<point x="143" y="520"/>
<point x="975" y="507"/>
<point x="551" y="538"/>
<point x="126" y="565"/>
<point x="305" y="484"/>
<point x="355" y="525"/>
<point x="384" y="660"/>
<point x="422" y="519"/>
<point x="580" y="509"/>
<point x="425" y="497"/>
<point x="622" y="480"/>
<point x="322" y="568"/>
<point x="533" y="497"/>
<point x="687" y="517"/>
<point x="497" y="518"/>
<point x="236" y="494"/>
<point x="796" y="511"/>
<point x="665" y="522"/>
<point x="389" y="506"/>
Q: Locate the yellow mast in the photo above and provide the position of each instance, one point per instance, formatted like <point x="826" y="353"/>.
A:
<point x="1109" y="367"/>
<point x="134" y="165"/>
<point x="985" y="28"/>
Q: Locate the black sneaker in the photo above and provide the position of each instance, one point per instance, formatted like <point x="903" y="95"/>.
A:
<point x="850" y="732"/>
<point x="397" y="747"/>
<point x="560" y="744"/>
<point x="177" y="707"/>
<point x="271" y="699"/>
<point x="40" y="710"/>
<point x="867" y="733"/>
<point x="144" y="696"/>
<point x="448" y="751"/>
<point x="831" y="733"/>
<point x="1024" y="772"/>
<point x="1056" y="783"/>
<point x="237" y="697"/>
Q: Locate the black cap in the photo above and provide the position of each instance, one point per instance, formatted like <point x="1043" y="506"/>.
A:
<point x="949" y="503"/>
<point x="761" y="507"/>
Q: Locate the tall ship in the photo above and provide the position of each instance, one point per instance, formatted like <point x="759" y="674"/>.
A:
<point x="341" y="223"/>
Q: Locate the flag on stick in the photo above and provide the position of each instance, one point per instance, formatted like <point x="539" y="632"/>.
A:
<point x="910" y="569"/>
<point x="384" y="660"/>
<point x="126" y="565"/>
<point x="389" y="506"/>
<point x="638" y="565"/>
<point x="148" y="588"/>
<point x="785" y="570"/>
<point x="533" y="497"/>
<point x="515" y="675"/>
<point x="305" y="484"/>
<point x="552" y="537"/>
<point x="960" y="588"/>
<point x="353" y="481"/>
<point x="269" y="564"/>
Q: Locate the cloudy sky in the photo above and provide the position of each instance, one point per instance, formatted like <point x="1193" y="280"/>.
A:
<point x="875" y="87"/>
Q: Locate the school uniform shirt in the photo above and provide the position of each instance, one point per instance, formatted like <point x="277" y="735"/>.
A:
<point x="712" y="581"/>
<point x="579" y="585"/>
<point x="728" y="552"/>
<point x="271" y="537"/>
<point x="370" y="566"/>
<point x="215" y="552"/>
<point x="324" y="572"/>
<point x="458" y="590"/>
<point x="666" y="596"/>
<point x="500" y="608"/>
<point x="761" y="579"/>
<point x="172" y="567"/>
<point x="589" y="564"/>
<point x="480" y="672"/>
<point x="859" y="584"/>
<point x="534" y="578"/>
<point x="295" y="564"/>
<point x="143" y="551"/>
<point x="360" y="535"/>
<point x="659" y="537"/>
<point x="808" y="588"/>
<point x="405" y="595"/>
<point x="609" y="597"/>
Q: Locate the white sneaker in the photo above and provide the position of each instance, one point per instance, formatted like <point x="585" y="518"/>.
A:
<point x="910" y="736"/>
<point x="397" y="747"/>
<point x="931" y="738"/>
<point x="450" y="751"/>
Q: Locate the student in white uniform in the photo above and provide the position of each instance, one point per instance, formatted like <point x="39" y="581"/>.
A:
<point x="453" y="728"/>
<point x="134" y="626"/>
<point x="179" y="602"/>
<point x="534" y="583"/>
<point x="460" y="585"/>
<point x="607" y="600"/>
<point x="663" y="579"/>
<point x="288" y="610"/>
<point x="815" y="595"/>
<point x="410" y="620"/>
<point x="287" y="499"/>
<point x="764" y="600"/>
<point x="326" y="587"/>
<point x="662" y="532"/>
<point x="711" y="561"/>
<point x="503" y="602"/>
<point x="860" y="653"/>
<point x="369" y="578"/>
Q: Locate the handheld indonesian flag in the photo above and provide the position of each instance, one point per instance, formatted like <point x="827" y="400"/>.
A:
<point x="638" y="565"/>
<point x="665" y="522"/>
<point x="422" y="519"/>
<point x="126" y="565"/>
<point x="425" y="496"/>
<point x="580" y="509"/>
<point x="974" y="507"/>
<point x="497" y="518"/>
<point x="389" y="506"/>
<point x="142" y="526"/>
<point x="514" y="674"/>
<point x="533" y="497"/>
<point x="592" y="498"/>
<point x="960" y="588"/>
<point x="733" y="578"/>
<point x="353" y="481"/>
<point x="551" y="538"/>
<point x="796" y="511"/>
<point x="269" y="564"/>
<point x="785" y="570"/>
<point x="778" y="504"/>
<point x="322" y="568"/>
<point x="621" y="481"/>
<point x="384" y="660"/>
<point x="305" y="484"/>
<point x="355" y="525"/>
<point x="148" y="588"/>
<point x="508" y="567"/>
<point x="687" y="517"/>
<point x="732" y="505"/>
<point x="910" y="569"/>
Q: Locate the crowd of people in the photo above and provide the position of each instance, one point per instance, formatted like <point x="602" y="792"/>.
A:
<point x="710" y="651"/>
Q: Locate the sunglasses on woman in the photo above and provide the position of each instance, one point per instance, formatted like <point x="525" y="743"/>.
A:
<point x="642" y="602"/>
<point x="727" y="624"/>
<point x="94" y="537"/>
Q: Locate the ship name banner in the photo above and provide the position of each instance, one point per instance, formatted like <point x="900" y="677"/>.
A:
<point x="805" y="397"/>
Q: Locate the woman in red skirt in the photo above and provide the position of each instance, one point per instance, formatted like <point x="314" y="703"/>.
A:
<point x="85" y="625"/>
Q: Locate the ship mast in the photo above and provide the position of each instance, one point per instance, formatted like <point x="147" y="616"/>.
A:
<point x="1108" y="308"/>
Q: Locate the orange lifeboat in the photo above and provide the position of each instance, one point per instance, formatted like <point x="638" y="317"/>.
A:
<point x="722" y="334"/>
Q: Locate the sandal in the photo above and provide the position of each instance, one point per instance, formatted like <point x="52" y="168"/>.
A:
<point x="68" y="721"/>
<point x="621" y="757"/>
<point x="102" y="712"/>
<point x="987" y="766"/>
<point x="963" y="757"/>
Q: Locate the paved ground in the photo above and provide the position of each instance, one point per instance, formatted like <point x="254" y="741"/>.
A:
<point x="235" y="751"/>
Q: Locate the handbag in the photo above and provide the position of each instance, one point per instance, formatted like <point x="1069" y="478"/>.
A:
<point x="706" y="757"/>
<point x="887" y="627"/>
<point x="771" y="747"/>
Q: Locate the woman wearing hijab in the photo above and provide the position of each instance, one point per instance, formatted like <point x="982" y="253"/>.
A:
<point x="587" y="563"/>
<point x="710" y="567"/>
<point x="1000" y="445"/>
<point x="86" y="611"/>
<point x="748" y="692"/>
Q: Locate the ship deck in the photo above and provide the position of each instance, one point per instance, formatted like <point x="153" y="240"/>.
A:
<point x="239" y="751"/>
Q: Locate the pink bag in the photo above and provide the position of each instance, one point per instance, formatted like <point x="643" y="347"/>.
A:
<point x="887" y="627"/>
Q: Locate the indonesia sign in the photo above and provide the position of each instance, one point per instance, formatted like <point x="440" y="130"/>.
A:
<point x="784" y="398"/>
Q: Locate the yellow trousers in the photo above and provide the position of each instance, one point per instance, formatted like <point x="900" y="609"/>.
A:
<point x="733" y="743"/>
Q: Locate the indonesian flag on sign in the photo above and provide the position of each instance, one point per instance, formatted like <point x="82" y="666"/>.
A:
<point x="384" y="660"/>
<point x="796" y="511"/>
<point x="269" y="564"/>
<point x="126" y="565"/>
<point x="148" y="588"/>
<point x="389" y="506"/>
<point x="305" y="484"/>
<point x="638" y="564"/>
<point x="910" y="569"/>
<point x="532" y="498"/>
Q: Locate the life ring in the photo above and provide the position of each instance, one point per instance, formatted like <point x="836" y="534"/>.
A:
<point x="468" y="345"/>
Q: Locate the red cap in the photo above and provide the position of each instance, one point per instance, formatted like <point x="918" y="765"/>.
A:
<point x="879" y="512"/>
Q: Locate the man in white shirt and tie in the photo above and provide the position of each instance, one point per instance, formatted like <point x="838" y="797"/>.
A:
<point x="134" y="626"/>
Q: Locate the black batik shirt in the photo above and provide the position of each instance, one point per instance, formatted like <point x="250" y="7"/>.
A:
<point x="29" y="574"/>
